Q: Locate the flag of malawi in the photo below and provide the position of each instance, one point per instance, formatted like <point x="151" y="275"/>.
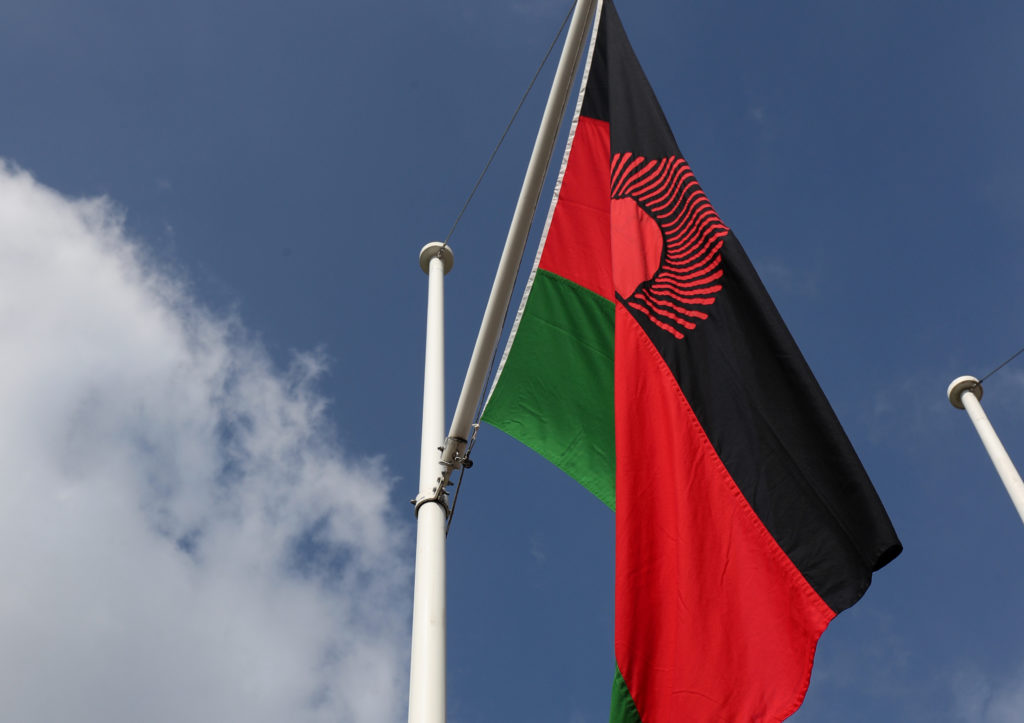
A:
<point x="649" y="363"/>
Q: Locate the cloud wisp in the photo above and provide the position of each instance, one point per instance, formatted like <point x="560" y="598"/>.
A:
<point x="982" y="699"/>
<point x="181" y="537"/>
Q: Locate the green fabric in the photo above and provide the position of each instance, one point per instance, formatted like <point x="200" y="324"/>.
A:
<point x="555" y="393"/>
<point x="623" y="708"/>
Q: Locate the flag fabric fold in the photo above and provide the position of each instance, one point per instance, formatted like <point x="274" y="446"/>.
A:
<point x="649" y="363"/>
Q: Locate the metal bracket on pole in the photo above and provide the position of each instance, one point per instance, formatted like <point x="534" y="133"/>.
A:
<point x="439" y="493"/>
<point x="439" y="498"/>
<point x="458" y="459"/>
<point x="452" y="453"/>
<point x="444" y="481"/>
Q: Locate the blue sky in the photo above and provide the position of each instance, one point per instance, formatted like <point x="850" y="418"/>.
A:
<point x="213" y="376"/>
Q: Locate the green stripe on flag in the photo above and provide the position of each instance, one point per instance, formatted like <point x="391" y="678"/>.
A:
<point x="555" y="393"/>
<point x="623" y="708"/>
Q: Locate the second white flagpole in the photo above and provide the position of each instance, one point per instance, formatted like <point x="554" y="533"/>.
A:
<point x="428" y="653"/>
<point x="965" y="393"/>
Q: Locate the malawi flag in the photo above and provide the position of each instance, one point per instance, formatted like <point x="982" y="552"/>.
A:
<point x="649" y="363"/>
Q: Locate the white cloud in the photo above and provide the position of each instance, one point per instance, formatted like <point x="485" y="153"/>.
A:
<point x="180" y="537"/>
<point x="979" y="699"/>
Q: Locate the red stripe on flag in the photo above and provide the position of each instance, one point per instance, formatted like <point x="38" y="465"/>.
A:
<point x="713" y="622"/>
<point x="578" y="246"/>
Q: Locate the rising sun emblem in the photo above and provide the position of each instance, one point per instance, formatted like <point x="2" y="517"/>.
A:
<point x="666" y="242"/>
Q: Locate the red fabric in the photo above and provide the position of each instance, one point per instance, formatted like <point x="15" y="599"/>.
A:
<point x="578" y="244"/>
<point x="637" y="245"/>
<point x="712" y="620"/>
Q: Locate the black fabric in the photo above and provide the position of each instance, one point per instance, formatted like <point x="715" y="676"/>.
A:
<point x="618" y="92"/>
<point x="778" y="436"/>
<point x="747" y="381"/>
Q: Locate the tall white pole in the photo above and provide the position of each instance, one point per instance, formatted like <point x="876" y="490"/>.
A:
<point x="515" y="243"/>
<point x="428" y="655"/>
<point x="965" y="393"/>
<point x="427" y="660"/>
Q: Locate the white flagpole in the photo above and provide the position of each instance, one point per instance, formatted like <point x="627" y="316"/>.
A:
<point x="965" y="393"/>
<point x="515" y="243"/>
<point x="428" y="654"/>
<point x="427" y="675"/>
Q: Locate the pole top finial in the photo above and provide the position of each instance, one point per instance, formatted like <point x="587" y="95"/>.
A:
<point x="958" y="386"/>
<point x="436" y="249"/>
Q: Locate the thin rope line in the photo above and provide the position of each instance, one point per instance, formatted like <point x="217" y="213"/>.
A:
<point x="1019" y="352"/>
<point x="479" y="413"/>
<point x="504" y="321"/>
<point x="458" y="486"/>
<point x="509" y="126"/>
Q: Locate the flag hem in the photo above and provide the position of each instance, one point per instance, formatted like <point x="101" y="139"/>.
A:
<point x="554" y="200"/>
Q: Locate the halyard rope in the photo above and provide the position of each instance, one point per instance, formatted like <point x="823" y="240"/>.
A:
<point x="1019" y="352"/>
<point x="491" y="371"/>
<point x="509" y="126"/>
